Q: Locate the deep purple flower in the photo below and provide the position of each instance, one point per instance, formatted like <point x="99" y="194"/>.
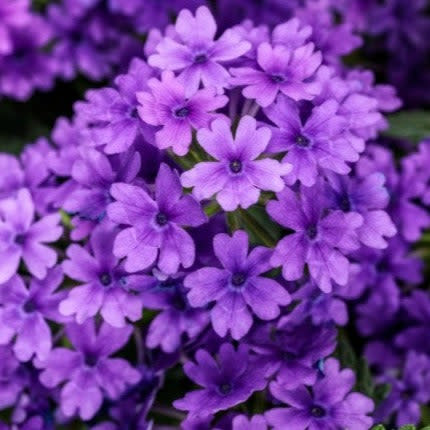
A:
<point x="227" y="381"/>
<point x="111" y="113"/>
<point x="95" y="173"/>
<point x="237" y="176"/>
<point x="155" y="226"/>
<point x="177" y="318"/>
<point x="106" y="288"/>
<point x="314" y="145"/>
<point x="319" y="240"/>
<point x="291" y="352"/>
<point x="330" y="405"/>
<point x="23" y="312"/>
<point x="88" y="372"/>
<point x="194" y="52"/>
<point x="407" y="393"/>
<point x="238" y="289"/>
<point x="177" y="114"/>
<point x="282" y="70"/>
<point x="23" y="238"/>
<point x="27" y="68"/>
<point x="367" y="197"/>
<point x="13" y="14"/>
<point x="12" y="378"/>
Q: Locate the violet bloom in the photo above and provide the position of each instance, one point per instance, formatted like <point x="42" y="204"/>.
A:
<point x="292" y="352"/>
<point x="106" y="287"/>
<point x="88" y="373"/>
<point x="237" y="176"/>
<point x="227" y="381"/>
<point x="408" y="393"/>
<point x="367" y="197"/>
<point x="27" y="67"/>
<point x="111" y="113"/>
<point x="177" y="318"/>
<point x="194" y="52"/>
<point x="320" y="240"/>
<point x="12" y="377"/>
<point x="313" y="145"/>
<point x="95" y="173"/>
<point x="282" y="70"/>
<point x="155" y="225"/>
<point x="24" y="311"/>
<point x="237" y="289"/>
<point x="330" y="405"/>
<point x="23" y="238"/>
<point x="168" y="106"/>
<point x="13" y="14"/>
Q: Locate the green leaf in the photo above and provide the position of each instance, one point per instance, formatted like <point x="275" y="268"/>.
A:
<point x="412" y="125"/>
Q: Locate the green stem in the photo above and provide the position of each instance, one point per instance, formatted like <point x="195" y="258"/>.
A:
<point x="252" y="225"/>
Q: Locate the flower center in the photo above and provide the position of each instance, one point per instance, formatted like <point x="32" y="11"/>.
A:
<point x="345" y="204"/>
<point x="20" y="239"/>
<point x="288" y="355"/>
<point x="302" y="141"/>
<point x="181" y="112"/>
<point x="317" y="411"/>
<point x="312" y="232"/>
<point x="91" y="359"/>
<point x="161" y="219"/>
<point x="225" y="388"/>
<point x="235" y="166"/>
<point x="29" y="306"/>
<point x="200" y="59"/>
<point x="238" y="279"/>
<point x="277" y="78"/>
<point x="105" y="279"/>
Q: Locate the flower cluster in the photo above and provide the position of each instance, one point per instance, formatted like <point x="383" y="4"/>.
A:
<point x="220" y="210"/>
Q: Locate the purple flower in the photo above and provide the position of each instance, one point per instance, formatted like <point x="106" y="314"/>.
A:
<point x="12" y="378"/>
<point x="22" y="238"/>
<point x="227" y="381"/>
<point x="318" y="240"/>
<point x="292" y="352"/>
<point x="237" y="176"/>
<point x="106" y="288"/>
<point x="330" y="405"/>
<point x="407" y="393"/>
<point x="155" y="226"/>
<point x="23" y="312"/>
<point x="367" y="197"/>
<point x="177" y="318"/>
<point x="95" y="173"/>
<point x="282" y="70"/>
<point x="314" y="145"/>
<point x="111" y="114"/>
<point x="238" y="289"/>
<point x="194" y="52"/>
<point x="177" y="114"/>
<point x="13" y="14"/>
<point x="88" y="372"/>
<point x="27" y="68"/>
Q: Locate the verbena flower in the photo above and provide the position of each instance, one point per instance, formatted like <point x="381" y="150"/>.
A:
<point x="226" y="382"/>
<point x="106" y="287"/>
<point x="21" y="237"/>
<point x="282" y="70"/>
<point x="329" y="405"/>
<point x="88" y="373"/>
<point x="155" y="224"/>
<point x="196" y="54"/>
<point x="237" y="289"/>
<point x="178" y="115"/>
<point x="24" y="311"/>
<point x="237" y="175"/>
